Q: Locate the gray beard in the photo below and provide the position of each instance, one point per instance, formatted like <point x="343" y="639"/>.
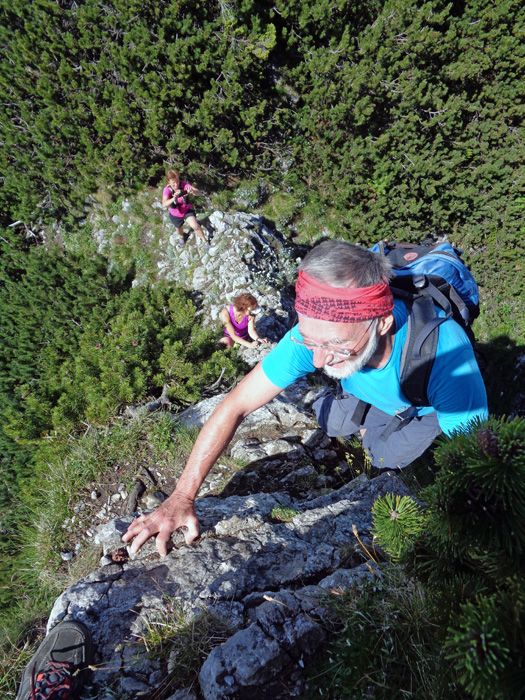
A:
<point x="354" y="365"/>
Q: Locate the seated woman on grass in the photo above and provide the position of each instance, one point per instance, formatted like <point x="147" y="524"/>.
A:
<point x="239" y="322"/>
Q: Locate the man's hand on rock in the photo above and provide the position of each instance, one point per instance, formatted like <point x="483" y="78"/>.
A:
<point x="175" y="513"/>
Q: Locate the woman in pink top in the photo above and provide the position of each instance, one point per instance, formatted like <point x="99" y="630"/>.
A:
<point x="239" y="322"/>
<point x="176" y="196"/>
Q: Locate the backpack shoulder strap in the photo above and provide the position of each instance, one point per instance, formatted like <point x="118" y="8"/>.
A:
<point x="417" y="358"/>
<point x="419" y="350"/>
<point x="419" y="294"/>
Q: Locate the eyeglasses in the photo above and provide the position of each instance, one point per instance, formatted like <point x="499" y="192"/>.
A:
<point x="335" y="349"/>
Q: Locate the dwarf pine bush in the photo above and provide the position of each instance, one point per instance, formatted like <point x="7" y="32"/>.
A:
<point x="472" y="553"/>
<point x="457" y="591"/>
<point x="486" y="645"/>
<point x="476" y="507"/>
<point x="398" y="521"/>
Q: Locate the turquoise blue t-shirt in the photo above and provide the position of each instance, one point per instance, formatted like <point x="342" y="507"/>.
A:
<point x="455" y="389"/>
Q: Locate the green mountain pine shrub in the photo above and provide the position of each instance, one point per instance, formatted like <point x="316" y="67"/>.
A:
<point x="150" y="338"/>
<point x="403" y="119"/>
<point x="46" y="300"/>
<point x="110" y="93"/>
<point x="486" y="643"/>
<point x="477" y="505"/>
<point x="398" y="522"/>
<point x="412" y="120"/>
<point x="470" y="556"/>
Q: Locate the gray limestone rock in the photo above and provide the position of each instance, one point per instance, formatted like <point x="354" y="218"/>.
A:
<point x="284" y="412"/>
<point x="245" y="255"/>
<point x="242" y="552"/>
<point x="249" y="658"/>
<point x="185" y="694"/>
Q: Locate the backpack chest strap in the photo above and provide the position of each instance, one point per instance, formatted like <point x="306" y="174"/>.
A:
<point x="400" y="419"/>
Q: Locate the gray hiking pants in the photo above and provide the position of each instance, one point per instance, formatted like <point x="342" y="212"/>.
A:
<point x="398" y="450"/>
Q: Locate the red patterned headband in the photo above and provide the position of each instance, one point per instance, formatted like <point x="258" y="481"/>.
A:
<point x="347" y="304"/>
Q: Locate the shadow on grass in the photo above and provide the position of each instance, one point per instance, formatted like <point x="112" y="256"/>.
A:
<point x="504" y="375"/>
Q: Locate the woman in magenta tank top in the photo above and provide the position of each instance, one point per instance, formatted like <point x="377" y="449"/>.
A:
<point x="239" y="322"/>
<point x="175" y="198"/>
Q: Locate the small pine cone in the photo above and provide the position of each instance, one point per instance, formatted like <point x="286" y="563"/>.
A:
<point x="488" y="442"/>
<point x="120" y="555"/>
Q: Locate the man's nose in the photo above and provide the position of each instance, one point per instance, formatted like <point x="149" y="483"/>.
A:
<point x="321" y="357"/>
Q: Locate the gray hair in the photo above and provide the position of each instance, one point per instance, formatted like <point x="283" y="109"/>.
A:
<point x="342" y="264"/>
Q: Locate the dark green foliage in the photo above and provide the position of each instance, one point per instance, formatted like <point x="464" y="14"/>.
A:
<point x="486" y="644"/>
<point x="471" y="556"/>
<point x="107" y="93"/>
<point x="46" y="299"/>
<point x="78" y="343"/>
<point x="402" y="117"/>
<point x="149" y="338"/>
<point x="421" y="125"/>
<point x="477" y="505"/>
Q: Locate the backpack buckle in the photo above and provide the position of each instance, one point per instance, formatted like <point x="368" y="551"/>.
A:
<point x="400" y="419"/>
<point x="420" y="281"/>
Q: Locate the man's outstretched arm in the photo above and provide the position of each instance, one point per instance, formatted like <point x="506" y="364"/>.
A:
<point x="178" y="510"/>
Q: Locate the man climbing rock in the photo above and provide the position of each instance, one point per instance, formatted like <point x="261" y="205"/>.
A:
<point x="351" y="327"/>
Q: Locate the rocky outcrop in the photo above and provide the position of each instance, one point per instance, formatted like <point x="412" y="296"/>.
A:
<point x="262" y="569"/>
<point x="245" y="255"/>
<point x="266" y="580"/>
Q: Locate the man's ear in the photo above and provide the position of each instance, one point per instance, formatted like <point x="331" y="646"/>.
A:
<point x="386" y="323"/>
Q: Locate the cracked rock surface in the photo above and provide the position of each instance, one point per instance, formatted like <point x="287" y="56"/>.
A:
<point x="264" y="577"/>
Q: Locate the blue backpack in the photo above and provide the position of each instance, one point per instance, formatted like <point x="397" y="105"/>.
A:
<point x="443" y="261"/>
<point x="426" y="276"/>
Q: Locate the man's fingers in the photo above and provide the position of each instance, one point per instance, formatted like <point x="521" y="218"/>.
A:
<point x="162" y="523"/>
<point x="142" y="537"/>
<point x="142" y="529"/>
<point x="162" y="544"/>
<point x="133" y="529"/>
<point x="191" y="532"/>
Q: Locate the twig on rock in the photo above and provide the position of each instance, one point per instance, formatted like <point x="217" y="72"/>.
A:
<point x="217" y="383"/>
<point x="136" y="493"/>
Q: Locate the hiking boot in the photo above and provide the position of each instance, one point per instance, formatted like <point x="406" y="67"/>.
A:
<point x="55" y="671"/>
<point x="182" y="242"/>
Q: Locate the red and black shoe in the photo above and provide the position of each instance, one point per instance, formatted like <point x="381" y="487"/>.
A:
<point x="56" y="670"/>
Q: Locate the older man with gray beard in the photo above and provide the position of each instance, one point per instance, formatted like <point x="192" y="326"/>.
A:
<point x="351" y="327"/>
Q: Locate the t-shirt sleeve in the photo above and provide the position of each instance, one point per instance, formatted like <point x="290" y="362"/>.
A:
<point x="166" y="192"/>
<point x="287" y="362"/>
<point x="456" y="390"/>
